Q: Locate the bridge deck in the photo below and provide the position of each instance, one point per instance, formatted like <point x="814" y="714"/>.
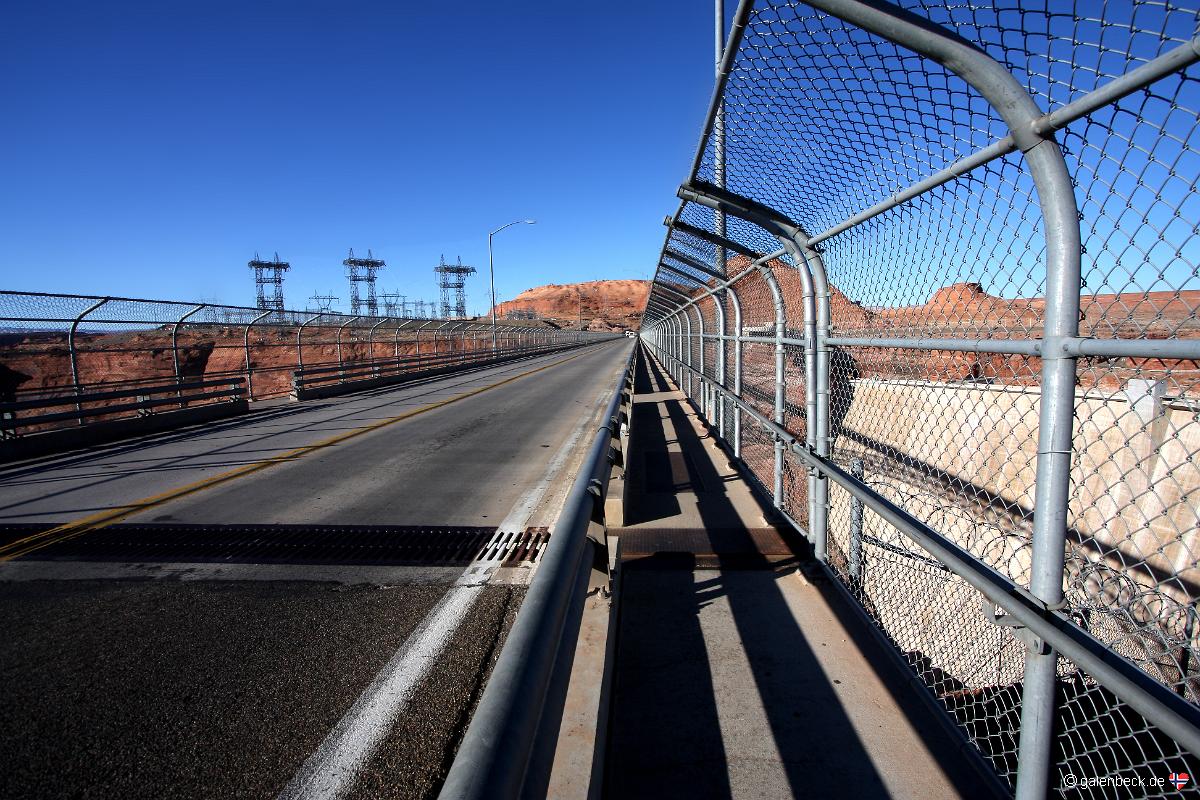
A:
<point x="331" y="616"/>
<point x="737" y="674"/>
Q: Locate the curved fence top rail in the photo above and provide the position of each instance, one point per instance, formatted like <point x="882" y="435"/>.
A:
<point x="943" y="260"/>
<point x="65" y="309"/>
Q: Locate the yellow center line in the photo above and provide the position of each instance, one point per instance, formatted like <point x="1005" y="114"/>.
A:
<point x="109" y="516"/>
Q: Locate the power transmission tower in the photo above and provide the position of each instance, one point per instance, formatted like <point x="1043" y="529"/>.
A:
<point x="452" y="278"/>
<point x="321" y="303"/>
<point x="363" y="271"/>
<point x="391" y="303"/>
<point x="268" y="282"/>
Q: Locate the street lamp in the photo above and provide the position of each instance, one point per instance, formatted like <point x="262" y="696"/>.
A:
<point x="492" y="271"/>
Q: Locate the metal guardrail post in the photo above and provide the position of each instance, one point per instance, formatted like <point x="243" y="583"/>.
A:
<point x="703" y="388"/>
<point x="246" y="345"/>
<point x="794" y="241"/>
<point x="737" y="370"/>
<point x="688" y="342"/>
<point x="718" y="397"/>
<point x="342" y="327"/>
<point x="175" y="346"/>
<point x="417" y="335"/>
<point x="680" y="342"/>
<point x="780" y="387"/>
<point x="396" y="337"/>
<point x="1056" y="196"/>
<point x="435" y="336"/>
<point x="299" y="344"/>
<point x="371" y="341"/>
<point x="74" y="352"/>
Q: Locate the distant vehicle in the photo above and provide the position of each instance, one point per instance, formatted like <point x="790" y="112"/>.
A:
<point x="630" y="334"/>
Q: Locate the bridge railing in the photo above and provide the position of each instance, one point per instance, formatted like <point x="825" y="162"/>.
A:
<point x="935" y="281"/>
<point x="523" y="701"/>
<point x="63" y="347"/>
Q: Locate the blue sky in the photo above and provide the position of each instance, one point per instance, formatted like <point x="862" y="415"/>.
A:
<point x="149" y="149"/>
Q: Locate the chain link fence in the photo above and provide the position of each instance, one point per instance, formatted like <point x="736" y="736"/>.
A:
<point x="67" y="347"/>
<point x="934" y="280"/>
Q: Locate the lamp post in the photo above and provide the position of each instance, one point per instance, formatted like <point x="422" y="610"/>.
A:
<point x="492" y="271"/>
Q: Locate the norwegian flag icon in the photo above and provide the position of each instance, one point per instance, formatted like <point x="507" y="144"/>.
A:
<point x="1179" y="779"/>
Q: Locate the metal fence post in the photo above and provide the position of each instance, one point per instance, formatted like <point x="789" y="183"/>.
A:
<point x="451" y="351"/>
<point x="246" y="343"/>
<point x="687" y="374"/>
<point x="1060" y="213"/>
<point x="675" y="347"/>
<point x="417" y="335"/>
<point x="780" y="323"/>
<point x="299" y="343"/>
<point x="371" y="342"/>
<point x="74" y="352"/>
<point x="703" y="388"/>
<point x="719" y="219"/>
<point x="737" y="370"/>
<point x="396" y="336"/>
<point x="341" y="361"/>
<point x="795" y="242"/>
<point x="175" y="347"/>
<point x="681" y="342"/>
<point x="719" y="304"/>
<point x="435" y="336"/>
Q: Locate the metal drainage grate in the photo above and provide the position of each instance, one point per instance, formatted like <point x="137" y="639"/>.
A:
<point x="426" y="545"/>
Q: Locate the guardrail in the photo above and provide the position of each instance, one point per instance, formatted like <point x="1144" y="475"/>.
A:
<point x="935" y="281"/>
<point x="51" y="343"/>
<point x="179" y="395"/>
<point x="494" y="758"/>
<point x="97" y="416"/>
<point x="313" y="382"/>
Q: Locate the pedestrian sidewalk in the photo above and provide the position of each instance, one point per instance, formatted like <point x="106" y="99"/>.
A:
<point x="739" y="673"/>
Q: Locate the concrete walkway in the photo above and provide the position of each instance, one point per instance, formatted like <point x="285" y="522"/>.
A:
<point x="736" y="674"/>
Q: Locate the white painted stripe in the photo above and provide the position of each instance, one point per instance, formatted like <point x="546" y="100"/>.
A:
<point x="330" y="771"/>
<point x="518" y="518"/>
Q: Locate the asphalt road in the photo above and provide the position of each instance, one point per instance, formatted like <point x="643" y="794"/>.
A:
<point x="243" y="662"/>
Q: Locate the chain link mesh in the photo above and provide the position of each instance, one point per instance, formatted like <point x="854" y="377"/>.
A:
<point x="937" y="306"/>
<point x="56" y="347"/>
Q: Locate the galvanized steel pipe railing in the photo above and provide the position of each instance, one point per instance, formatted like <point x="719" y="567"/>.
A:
<point x="493" y="759"/>
<point x="799" y="90"/>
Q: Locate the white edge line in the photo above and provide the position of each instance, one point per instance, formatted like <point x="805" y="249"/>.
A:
<point x="331" y="770"/>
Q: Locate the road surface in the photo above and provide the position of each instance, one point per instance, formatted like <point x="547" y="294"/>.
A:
<point x="303" y="602"/>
